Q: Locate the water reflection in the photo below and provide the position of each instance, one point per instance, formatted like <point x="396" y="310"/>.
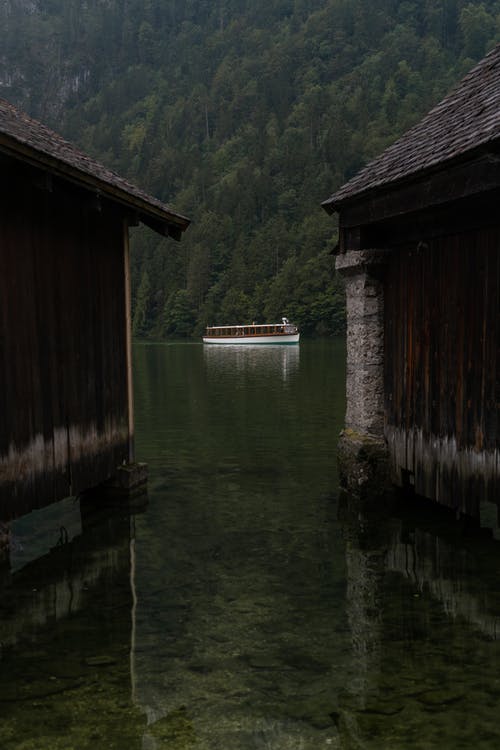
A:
<point x="221" y="655"/>
<point x="34" y="535"/>
<point x="264" y="620"/>
<point x="267" y="359"/>
<point x="389" y="647"/>
<point x="249" y="607"/>
<point x="452" y="575"/>
<point x="65" y="631"/>
<point x="423" y="607"/>
<point x="239" y="568"/>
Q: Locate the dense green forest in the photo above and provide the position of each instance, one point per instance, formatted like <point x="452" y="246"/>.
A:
<point x="244" y="115"/>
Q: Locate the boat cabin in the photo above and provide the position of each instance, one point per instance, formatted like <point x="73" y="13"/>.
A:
<point x="271" y="329"/>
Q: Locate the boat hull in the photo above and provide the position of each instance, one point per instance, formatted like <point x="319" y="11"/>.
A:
<point x="274" y="338"/>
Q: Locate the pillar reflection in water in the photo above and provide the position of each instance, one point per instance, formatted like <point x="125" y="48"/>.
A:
<point x="424" y="613"/>
<point x="365" y="552"/>
<point x="65" y="629"/>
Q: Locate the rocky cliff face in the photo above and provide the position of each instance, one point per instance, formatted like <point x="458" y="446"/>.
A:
<point x="8" y="7"/>
<point x="36" y="73"/>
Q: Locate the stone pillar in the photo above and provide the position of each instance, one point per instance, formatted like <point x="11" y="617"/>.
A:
<point x="363" y="457"/>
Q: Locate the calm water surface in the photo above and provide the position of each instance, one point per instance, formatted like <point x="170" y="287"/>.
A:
<point x="249" y="606"/>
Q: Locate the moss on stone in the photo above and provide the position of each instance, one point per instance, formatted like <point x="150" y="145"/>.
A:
<point x="363" y="464"/>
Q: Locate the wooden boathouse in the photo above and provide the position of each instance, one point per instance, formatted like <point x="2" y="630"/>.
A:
<point x="419" y="247"/>
<point x="66" y="412"/>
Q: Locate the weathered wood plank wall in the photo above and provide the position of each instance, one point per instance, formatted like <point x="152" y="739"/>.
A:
<point x="442" y="365"/>
<point x="63" y="374"/>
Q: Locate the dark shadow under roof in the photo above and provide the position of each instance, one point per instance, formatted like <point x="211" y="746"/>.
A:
<point x="30" y="141"/>
<point x="468" y="118"/>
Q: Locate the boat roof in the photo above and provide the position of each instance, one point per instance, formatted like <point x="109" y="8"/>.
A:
<point x="250" y="325"/>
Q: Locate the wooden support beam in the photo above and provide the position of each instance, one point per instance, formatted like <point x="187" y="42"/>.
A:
<point x="451" y="183"/>
<point x="128" y="340"/>
<point x="161" y="227"/>
<point x="468" y="214"/>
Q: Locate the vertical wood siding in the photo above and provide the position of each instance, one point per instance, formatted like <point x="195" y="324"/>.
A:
<point x="63" y="376"/>
<point x="442" y="365"/>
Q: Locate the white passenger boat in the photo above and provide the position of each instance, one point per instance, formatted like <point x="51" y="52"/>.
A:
<point x="267" y="333"/>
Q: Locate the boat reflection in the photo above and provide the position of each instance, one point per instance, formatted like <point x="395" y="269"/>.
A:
<point x="270" y="359"/>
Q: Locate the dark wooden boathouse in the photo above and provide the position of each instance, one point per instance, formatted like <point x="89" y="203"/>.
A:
<point x="419" y="249"/>
<point x="66" y="417"/>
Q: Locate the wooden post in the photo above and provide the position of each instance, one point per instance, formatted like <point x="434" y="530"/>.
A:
<point x="130" y="478"/>
<point x="128" y="341"/>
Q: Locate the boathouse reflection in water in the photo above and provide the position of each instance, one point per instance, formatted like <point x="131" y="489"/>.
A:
<point x="424" y="613"/>
<point x="65" y="628"/>
<point x="421" y="650"/>
<point x="93" y="654"/>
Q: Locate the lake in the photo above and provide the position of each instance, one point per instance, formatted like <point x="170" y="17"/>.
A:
<point x="249" y="605"/>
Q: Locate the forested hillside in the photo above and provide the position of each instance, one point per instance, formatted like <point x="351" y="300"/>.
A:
<point x="244" y="115"/>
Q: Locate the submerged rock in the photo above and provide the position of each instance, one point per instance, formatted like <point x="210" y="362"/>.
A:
<point x="100" y="661"/>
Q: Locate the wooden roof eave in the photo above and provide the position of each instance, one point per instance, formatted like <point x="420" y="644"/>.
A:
<point x="164" y="222"/>
<point x="445" y="182"/>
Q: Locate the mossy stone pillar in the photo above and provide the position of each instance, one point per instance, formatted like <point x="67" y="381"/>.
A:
<point x="363" y="455"/>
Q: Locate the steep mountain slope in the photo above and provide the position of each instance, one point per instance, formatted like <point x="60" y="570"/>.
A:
<point x="245" y="115"/>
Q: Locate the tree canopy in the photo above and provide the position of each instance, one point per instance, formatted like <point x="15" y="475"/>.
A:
<point x="244" y="115"/>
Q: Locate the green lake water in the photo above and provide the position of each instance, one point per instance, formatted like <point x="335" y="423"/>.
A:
<point x="249" y="605"/>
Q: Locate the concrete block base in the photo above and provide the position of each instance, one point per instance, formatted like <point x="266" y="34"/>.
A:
<point x="130" y="481"/>
<point x="130" y="476"/>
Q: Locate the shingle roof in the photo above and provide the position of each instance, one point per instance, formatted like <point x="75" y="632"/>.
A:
<point x="28" y="139"/>
<point x="469" y="117"/>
